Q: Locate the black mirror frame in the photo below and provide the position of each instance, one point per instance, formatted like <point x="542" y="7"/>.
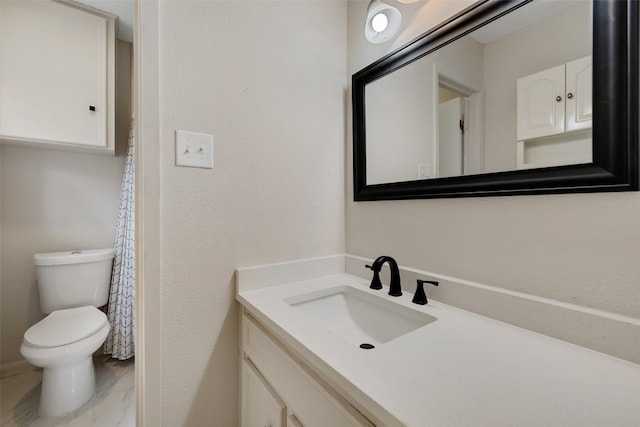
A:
<point x="615" y="106"/>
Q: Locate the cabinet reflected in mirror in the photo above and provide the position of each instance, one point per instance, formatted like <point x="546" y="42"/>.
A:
<point x="514" y="94"/>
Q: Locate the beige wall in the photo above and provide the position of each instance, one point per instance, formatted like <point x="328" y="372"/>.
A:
<point x="268" y="80"/>
<point x="579" y="248"/>
<point x="51" y="201"/>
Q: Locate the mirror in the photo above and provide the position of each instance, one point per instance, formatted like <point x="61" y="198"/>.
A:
<point x="502" y="99"/>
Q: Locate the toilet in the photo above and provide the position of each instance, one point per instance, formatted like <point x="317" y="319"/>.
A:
<point x="72" y="285"/>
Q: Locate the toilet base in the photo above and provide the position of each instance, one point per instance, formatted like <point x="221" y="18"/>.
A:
<point x="66" y="388"/>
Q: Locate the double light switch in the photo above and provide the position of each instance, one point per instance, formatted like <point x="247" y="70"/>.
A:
<point x="194" y="150"/>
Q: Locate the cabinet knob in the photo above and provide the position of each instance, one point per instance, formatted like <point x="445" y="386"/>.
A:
<point x="569" y="95"/>
<point x="92" y="108"/>
<point x="558" y="98"/>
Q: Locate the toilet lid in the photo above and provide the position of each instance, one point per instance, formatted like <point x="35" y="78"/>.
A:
<point x="66" y="326"/>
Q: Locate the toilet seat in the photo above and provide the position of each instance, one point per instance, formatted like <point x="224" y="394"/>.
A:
<point x="63" y="327"/>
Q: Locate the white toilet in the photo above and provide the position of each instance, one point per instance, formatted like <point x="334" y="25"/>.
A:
<point x="71" y="285"/>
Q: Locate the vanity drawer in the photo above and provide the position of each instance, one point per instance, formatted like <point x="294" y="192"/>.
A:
<point x="307" y="400"/>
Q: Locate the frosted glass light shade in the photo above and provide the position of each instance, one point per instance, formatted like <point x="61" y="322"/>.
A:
<point x="379" y="22"/>
<point x="394" y="18"/>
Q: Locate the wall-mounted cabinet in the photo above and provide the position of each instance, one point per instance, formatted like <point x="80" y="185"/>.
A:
<point x="57" y="76"/>
<point x="279" y="391"/>
<point x="555" y="101"/>
<point x="554" y="115"/>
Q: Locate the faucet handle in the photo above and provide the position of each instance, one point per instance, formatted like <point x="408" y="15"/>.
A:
<point x="375" y="282"/>
<point x="420" y="297"/>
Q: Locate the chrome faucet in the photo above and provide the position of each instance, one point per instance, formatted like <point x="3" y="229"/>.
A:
<point x="394" y="286"/>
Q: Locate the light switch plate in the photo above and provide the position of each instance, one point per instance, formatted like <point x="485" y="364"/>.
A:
<point x="194" y="150"/>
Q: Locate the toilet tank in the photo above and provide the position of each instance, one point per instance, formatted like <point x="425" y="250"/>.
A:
<point x="73" y="279"/>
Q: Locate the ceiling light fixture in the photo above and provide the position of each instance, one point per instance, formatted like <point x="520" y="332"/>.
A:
<point x="383" y="22"/>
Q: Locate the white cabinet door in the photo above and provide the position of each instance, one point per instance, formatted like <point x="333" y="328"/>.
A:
<point x="578" y="98"/>
<point x="55" y="61"/>
<point x="260" y="406"/>
<point x="540" y="104"/>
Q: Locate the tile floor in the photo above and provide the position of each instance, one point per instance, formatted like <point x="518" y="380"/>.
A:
<point x="112" y="406"/>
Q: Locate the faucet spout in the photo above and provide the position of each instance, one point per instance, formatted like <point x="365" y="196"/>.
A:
<point x="394" y="286"/>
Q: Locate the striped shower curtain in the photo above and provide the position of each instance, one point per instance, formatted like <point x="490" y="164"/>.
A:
<point x="120" y="342"/>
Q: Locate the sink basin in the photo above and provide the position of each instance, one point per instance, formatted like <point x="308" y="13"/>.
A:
<point x="359" y="317"/>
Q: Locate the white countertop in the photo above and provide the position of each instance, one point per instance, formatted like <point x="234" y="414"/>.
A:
<point x="463" y="369"/>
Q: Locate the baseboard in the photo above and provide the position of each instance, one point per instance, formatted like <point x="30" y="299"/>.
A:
<point x="16" y="368"/>
<point x="597" y="330"/>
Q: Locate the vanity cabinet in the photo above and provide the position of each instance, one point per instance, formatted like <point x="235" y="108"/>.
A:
<point x="57" y="76"/>
<point x="279" y="390"/>
<point x="555" y="101"/>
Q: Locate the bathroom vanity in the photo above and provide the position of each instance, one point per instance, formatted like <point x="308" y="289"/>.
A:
<point x="302" y="364"/>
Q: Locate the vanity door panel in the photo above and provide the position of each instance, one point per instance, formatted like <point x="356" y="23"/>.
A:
<point x="266" y="408"/>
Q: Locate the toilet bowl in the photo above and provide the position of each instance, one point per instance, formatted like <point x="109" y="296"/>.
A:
<point x="63" y="344"/>
<point x="71" y="285"/>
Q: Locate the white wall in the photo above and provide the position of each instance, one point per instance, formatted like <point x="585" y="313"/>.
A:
<point x="577" y="248"/>
<point x="267" y="79"/>
<point x="51" y="201"/>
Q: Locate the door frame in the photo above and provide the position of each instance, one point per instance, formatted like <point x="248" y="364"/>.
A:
<point x="473" y="91"/>
<point x="148" y="368"/>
